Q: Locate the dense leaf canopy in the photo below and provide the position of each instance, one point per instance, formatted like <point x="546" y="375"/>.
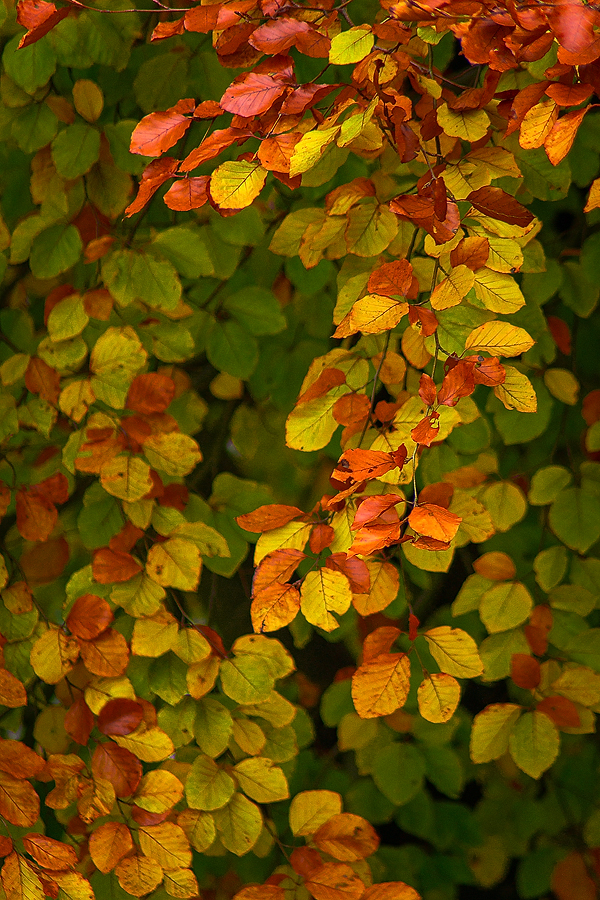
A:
<point x="299" y="450"/>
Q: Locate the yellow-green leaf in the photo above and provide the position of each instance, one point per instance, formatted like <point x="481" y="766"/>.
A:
<point x="323" y="593"/>
<point x="310" y="148"/>
<point x="534" y="743"/>
<point x="234" y="185"/>
<point x="208" y="786"/>
<point x="491" y="730"/>
<point x="175" y="563"/>
<point x="127" y="477"/>
<point x="311" y="809"/>
<point x="351" y="46"/>
<point x="239" y="824"/>
<point x="117" y="356"/>
<point x="454" y="651"/>
<point x="516" y="391"/>
<point x="498" y="292"/>
<point x="505" y="606"/>
<point x="259" y="779"/>
<point x="467" y="124"/>
<point x="67" y="319"/>
<point x="173" y="453"/>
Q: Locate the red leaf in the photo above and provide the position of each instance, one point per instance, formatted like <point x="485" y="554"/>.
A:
<point x="252" y="94"/>
<point x="54" y="488"/>
<point x="572" y="23"/>
<point x="536" y="632"/>
<point x="525" y="671"/>
<point x="38" y="17"/>
<point x="42" y="379"/>
<point x="120" y="716"/>
<point x="488" y="370"/>
<point x="187" y="193"/>
<point x="89" y="617"/>
<point x="159" y="131"/>
<point x="561" y="710"/>
<point x="150" y="392"/>
<point x="413" y="624"/>
<point x="591" y="407"/>
<point x="427" y="389"/>
<point x="167" y="29"/>
<point x="420" y="211"/>
<point x="497" y="204"/>
<point x="570" y="879"/>
<point x="304" y="97"/>
<point x="425" y="317"/>
<point x="321" y="537"/>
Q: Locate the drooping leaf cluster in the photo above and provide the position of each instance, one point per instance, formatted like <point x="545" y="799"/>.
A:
<point x="320" y="282"/>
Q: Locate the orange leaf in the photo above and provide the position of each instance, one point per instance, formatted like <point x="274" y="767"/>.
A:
<point x="472" y="252"/>
<point x="570" y="879"/>
<point x="351" y="408"/>
<point x="113" y="565"/>
<point x="593" y="200"/>
<point x="561" y="138"/>
<point x="202" y="19"/>
<point x="155" y="174"/>
<point x="19" y="760"/>
<point x="150" y="392"/>
<point x="434" y="521"/>
<point x="108" y="845"/>
<point x="459" y="382"/>
<point x="49" y="853"/>
<point x="89" y="616"/>
<point x="561" y="710"/>
<point x="347" y="837"/>
<point x="107" y="655"/>
<point x="392" y="279"/>
<point x="6" y="845"/>
<point x="251" y="94"/>
<point x="260" y="892"/>
<point x="363" y="465"/>
<point x="327" y="379"/>
<point x="390" y="890"/>
<point x="380" y="686"/>
<point x="335" y="881"/>
<point x="426" y="432"/>
<point x="379" y="641"/>
<point x="38" y="17"/>
<point x="355" y="570"/>
<point x="12" y="691"/>
<point x="19" y="803"/>
<point x="119" y="766"/>
<point x="275" y="36"/>
<point x="496" y="566"/>
<point x="427" y="389"/>
<point x="536" y="632"/>
<point x="79" y="721"/>
<point x="187" y="193"/>
<point x="44" y="562"/>
<point x="268" y="517"/>
<point x="525" y="671"/>
<point x="36" y="515"/>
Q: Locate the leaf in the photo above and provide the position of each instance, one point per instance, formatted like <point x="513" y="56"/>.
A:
<point x="234" y="185"/>
<point x="454" y="651"/>
<point x="438" y="696"/>
<point x="166" y="844"/>
<point x="570" y="877"/>
<point x="174" y="453"/>
<point x="19" y="880"/>
<point x="452" y="289"/>
<point x="574" y="518"/>
<point x="149" y="744"/>
<point x="534" y="743"/>
<point x="323" y="593"/>
<point x="380" y="685"/>
<point x="120" y="716"/>
<point x="19" y="803"/>
<point x="89" y="617"/>
<point x="516" y="392"/>
<point x="50" y="853"/>
<point x="207" y="786"/>
<point x="239" y="824"/>
<point x="347" y="838"/>
<point x="12" y="691"/>
<point x="496" y="203"/>
<point x="107" y="655"/>
<point x="159" y="131"/>
<point x="491" y="730"/>
<point x="139" y="875"/>
<point x="126" y="477"/>
<point x="119" y="766"/>
<point x="499" y="339"/>
<point x="434" y="521"/>
<point x="53" y="655"/>
<point x="174" y="563"/>
<point x="150" y="392"/>
<point x="252" y="93"/>
<point x="351" y="46"/>
<point x="268" y="517"/>
<point x="505" y="606"/>
<point x="260" y="780"/>
<point x="390" y="890"/>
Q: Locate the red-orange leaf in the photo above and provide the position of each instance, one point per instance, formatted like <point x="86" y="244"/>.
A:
<point x="107" y="655"/>
<point x="251" y="94"/>
<point x="459" y="382"/>
<point x="119" y="766"/>
<point x="42" y="379"/>
<point x="497" y="204"/>
<point x="50" y="853"/>
<point x="187" y="193"/>
<point x="525" y="670"/>
<point x="159" y="131"/>
<point x="38" y="17"/>
<point x="392" y="279"/>
<point x="155" y="174"/>
<point x="570" y="879"/>
<point x="561" y="710"/>
<point x="347" y="837"/>
<point x="268" y="517"/>
<point x="36" y="515"/>
<point x="277" y="35"/>
<point x="113" y="565"/>
<point x="19" y="760"/>
<point x="150" y="392"/>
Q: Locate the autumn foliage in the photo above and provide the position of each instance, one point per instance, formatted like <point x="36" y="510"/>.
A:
<point x="299" y="463"/>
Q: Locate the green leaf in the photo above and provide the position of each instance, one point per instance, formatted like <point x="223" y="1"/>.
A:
<point x="167" y="678"/>
<point x="186" y="249"/>
<point x="575" y="518"/>
<point x="257" y="310"/>
<point x="534" y="743"/>
<point x="231" y="349"/>
<point x="132" y="276"/>
<point x="75" y="149"/>
<point x="30" y="67"/>
<point x="207" y="785"/>
<point x="34" y="127"/>
<point x="55" y="250"/>
<point x="213" y="726"/>
<point x="398" y="772"/>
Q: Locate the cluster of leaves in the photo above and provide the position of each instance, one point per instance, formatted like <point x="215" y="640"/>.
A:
<point x="358" y="260"/>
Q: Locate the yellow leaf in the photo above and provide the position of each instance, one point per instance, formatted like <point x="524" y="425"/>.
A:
<point x="517" y="391"/>
<point x="505" y="606"/>
<point x="534" y="743"/>
<point x="505" y="503"/>
<point x="499" y="339"/>
<point x="372" y="315"/>
<point x="173" y="453"/>
<point x="469" y="125"/>
<point x="181" y="883"/>
<point x="53" y="655"/>
<point x="247" y="679"/>
<point x="88" y="99"/>
<point x="579" y="684"/>
<point x="490" y="731"/>
<point x="498" y="291"/>
<point x="167" y="844"/>
<point x="101" y="690"/>
<point x="155" y="635"/>
<point x="208" y="540"/>
<point x="199" y="828"/>
<point x="175" y="563"/>
<point x="140" y="596"/>
<point x="76" y="398"/>
<point x="563" y="385"/>
<point x="19" y="880"/>
<point x="347" y="837"/>
<point x="323" y="593"/>
<point x="351" y="46"/>
<point x="201" y="676"/>
<point x="208" y="786"/>
<point x="73" y="886"/>
<point x="259" y="779"/>
<point x="191" y="646"/>
<point x="108" y="844"/>
<point x="239" y="824"/>
<point x="139" y="875"/>
<point x="234" y="185"/>
<point x="384" y="585"/>
<point x="438" y="697"/>
<point x="354" y="125"/>
<point x="158" y="791"/>
<point x="309" y="149"/>
<point x="14" y="368"/>
<point x="454" y="651"/>
<point x="292" y="536"/>
<point x="537" y="124"/>
<point x="117" y="356"/>
<point x="505" y="255"/>
<point x="67" y="319"/>
<point x="261" y="892"/>
<point x="148" y="743"/>
<point x="126" y="477"/>
<point x="453" y="288"/>
<point x="311" y="809"/>
<point x="593" y="200"/>
<point x="248" y="736"/>
<point x="381" y="685"/>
